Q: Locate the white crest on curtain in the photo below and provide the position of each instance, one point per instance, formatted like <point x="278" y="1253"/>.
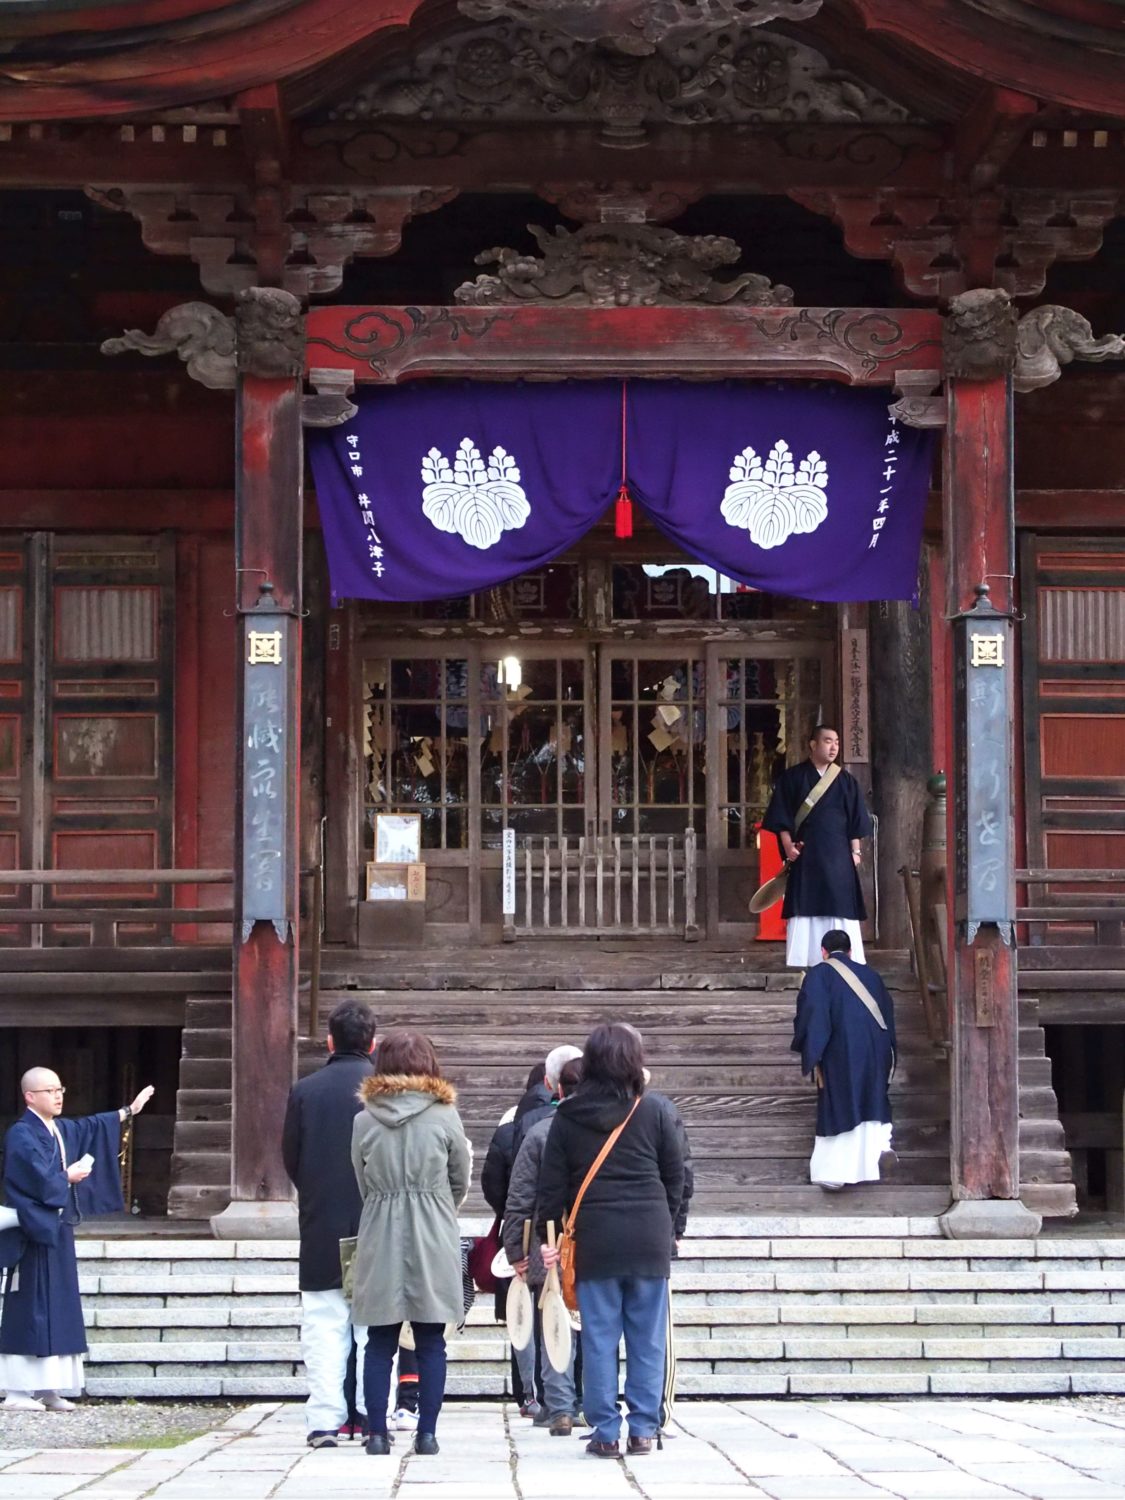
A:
<point x="473" y="500"/>
<point x="772" y="502"/>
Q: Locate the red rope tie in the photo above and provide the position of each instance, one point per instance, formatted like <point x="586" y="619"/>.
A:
<point x="623" y="509"/>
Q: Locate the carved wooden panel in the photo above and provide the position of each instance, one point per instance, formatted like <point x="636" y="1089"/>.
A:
<point x="860" y="346"/>
<point x="16" y="771"/>
<point x="107" y="683"/>
<point x="1073" y="597"/>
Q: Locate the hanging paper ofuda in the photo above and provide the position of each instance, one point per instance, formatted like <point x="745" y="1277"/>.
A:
<point x="437" y="490"/>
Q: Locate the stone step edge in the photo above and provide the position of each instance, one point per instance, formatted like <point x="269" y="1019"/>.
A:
<point x="731" y="1382"/>
<point x="823" y="1244"/>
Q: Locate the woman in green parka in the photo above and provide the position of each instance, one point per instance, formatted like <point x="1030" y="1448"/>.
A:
<point x="412" y="1161"/>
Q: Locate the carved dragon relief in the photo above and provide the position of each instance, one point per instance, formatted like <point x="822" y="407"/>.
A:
<point x="618" y="265"/>
<point x="1049" y="337"/>
<point x="637" y="26"/>
<point x="512" y="72"/>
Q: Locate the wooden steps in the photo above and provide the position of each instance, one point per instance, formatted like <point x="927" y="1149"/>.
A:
<point x="1046" y="1172"/>
<point x="717" y="1040"/>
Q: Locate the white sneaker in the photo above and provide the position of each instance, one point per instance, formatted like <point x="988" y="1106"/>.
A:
<point x="405" y="1421"/>
<point x="21" y="1401"/>
<point x="52" y="1401"/>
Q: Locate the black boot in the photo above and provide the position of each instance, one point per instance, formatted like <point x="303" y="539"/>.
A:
<point x="378" y="1444"/>
<point x="426" y="1444"/>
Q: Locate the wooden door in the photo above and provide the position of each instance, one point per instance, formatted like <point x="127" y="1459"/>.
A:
<point x="86" y="752"/>
<point x="444" y="737"/>
<point x="1073" y="594"/>
<point x="763" y="699"/>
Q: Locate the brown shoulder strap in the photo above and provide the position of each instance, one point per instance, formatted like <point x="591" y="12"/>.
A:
<point x="596" y="1165"/>
<point x="860" y="990"/>
<point x="815" y="795"/>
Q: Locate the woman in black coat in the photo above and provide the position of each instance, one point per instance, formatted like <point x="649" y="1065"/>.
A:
<point x="623" y="1231"/>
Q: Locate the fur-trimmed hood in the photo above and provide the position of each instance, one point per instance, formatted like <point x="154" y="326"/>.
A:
<point x="394" y="1098"/>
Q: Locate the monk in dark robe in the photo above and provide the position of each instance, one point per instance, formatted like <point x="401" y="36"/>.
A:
<point x="56" y="1171"/>
<point x="823" y="892"/>
<point x="847" y="1047"/>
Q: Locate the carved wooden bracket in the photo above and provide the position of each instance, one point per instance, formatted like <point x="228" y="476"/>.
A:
<point x="618" y="265"/>
<point x="621" y="202"/>
<point x="1049" y="337"/>
<point x="942" y="246"/>
<point x="984" y="339"/>
<point x="917" y="405"/>
<point x="266" y="337"/>
<point x="979" y="335"/>
<point x="321" y="232"/>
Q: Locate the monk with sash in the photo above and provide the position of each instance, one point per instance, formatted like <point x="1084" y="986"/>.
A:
<point x="56" y="1172"/>
<point x="819" y="816"/>
<point x="845" y="1032"/>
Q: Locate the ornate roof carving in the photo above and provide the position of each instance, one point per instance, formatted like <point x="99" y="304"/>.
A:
<point x="618" y="265"/>
<point x="506" y="72"/>
<point x="636" y="26"/>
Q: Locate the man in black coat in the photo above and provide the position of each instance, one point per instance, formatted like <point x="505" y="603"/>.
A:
<point x="316" y="1145"/>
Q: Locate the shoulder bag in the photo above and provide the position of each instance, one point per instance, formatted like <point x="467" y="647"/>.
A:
<point x="567" y="1248"/>
<point x="774" y="889"/>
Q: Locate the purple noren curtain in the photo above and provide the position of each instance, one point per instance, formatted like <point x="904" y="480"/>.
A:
<point x="433" y="491"/>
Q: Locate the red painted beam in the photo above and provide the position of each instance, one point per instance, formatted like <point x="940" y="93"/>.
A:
<point x="860" y="346"/>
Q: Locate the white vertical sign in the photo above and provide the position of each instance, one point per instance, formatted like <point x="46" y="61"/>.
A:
<point x="509" y="865"/>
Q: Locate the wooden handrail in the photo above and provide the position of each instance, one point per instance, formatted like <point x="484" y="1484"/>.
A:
<point x="1050" y="877"/>
<point x="115" y="877"/>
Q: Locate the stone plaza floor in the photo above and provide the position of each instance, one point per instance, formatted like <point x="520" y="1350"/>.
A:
<point x="794" y="1450"/>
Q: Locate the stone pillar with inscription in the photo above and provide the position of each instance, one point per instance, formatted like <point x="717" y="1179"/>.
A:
<point x="270" y="348"/>
<point x="979" y="534"/>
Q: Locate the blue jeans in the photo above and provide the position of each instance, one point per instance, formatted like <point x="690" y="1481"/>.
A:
<point x="636" y="1306"/>
<point x="429" y="1344"/>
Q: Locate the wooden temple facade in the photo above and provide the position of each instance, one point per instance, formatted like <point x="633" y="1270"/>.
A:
<point x="285" y="201"/>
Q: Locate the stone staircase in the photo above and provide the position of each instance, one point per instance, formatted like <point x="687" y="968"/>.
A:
<point x="717" y="1041"/>
<point x="764" y="1306"/>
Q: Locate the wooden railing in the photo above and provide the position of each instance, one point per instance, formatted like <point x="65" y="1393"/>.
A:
<point x="928" y="940"/>
<point x="1105" y="914"/>
<point x="612" y="885"/>
<point x="103" y="922"/>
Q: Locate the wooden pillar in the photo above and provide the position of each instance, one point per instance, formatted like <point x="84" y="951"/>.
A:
<point x="268" y="541"/>
<point x="979" y="549"/>
<point x="901" y="751"/>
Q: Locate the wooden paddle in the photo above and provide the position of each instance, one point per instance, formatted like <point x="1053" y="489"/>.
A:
<point x="519" y="1311"/>
<point x="557" y="1334"/>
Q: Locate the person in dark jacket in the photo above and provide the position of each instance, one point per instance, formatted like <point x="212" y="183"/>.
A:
<point x="623" y="1231"/>
<point x="316" y="1146"/>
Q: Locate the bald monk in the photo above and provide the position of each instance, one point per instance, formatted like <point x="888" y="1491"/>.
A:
<point x="56" y="1171"/>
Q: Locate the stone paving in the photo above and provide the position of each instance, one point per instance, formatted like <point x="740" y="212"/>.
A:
<point x="798" y="1450"/>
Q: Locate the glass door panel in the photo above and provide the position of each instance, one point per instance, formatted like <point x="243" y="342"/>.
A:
<point x="534" y="776"/>
<point x="653" y="739"/>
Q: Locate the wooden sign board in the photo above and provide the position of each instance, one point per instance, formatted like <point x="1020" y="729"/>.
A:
<point x="399" y="882"/>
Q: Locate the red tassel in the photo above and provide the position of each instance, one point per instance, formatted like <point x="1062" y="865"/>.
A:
<point x="623" y="514"/>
